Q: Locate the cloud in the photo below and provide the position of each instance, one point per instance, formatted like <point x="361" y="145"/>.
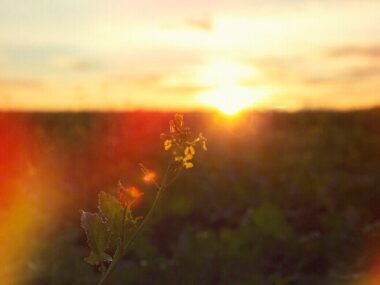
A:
<point x="73" y="63"/>
<point x="319" y="80"/>
<point x="352" y="75"/>
<point x="356" y="51"/>
<point x="9" y="83"/>
<point x="276" y="69"/>
<point x="203" y="23"/>
<point x="156" y="81"/>
<point x="146" y="80"/>
<point x="364" y="72"/>
<point x="183" y="90"/>
<point x="15" y="90"/>
<point x="309" y="71"/>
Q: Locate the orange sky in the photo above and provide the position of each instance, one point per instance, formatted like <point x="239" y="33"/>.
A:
<point x="118" y="54"/>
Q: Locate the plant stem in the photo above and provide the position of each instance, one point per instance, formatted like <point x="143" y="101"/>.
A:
<point x="122" y="248"/>
<point x="112" y="266"/>
<point x="118" y="253"/>
<point x="123" y="229"/>
<point x="174" y="178"/>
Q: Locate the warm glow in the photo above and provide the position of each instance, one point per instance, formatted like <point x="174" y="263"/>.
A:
<point x="224" y="72"/>
<point x="227" y="93"/>
<point x="163" y="57"/>
<point x="231" y="99"/>
<point x="129" y="196"/>
<point x="149" y="177"/>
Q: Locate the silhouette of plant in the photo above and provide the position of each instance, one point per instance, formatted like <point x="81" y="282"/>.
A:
<point x="113" y="229"/>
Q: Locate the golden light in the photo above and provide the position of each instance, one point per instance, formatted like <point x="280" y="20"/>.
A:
<point x="149" y="177"/>
<point x="226" y="93"/>
<point x="231" y="99"/>
<point x="224" y="72"/>
<point x="129" y="196"/>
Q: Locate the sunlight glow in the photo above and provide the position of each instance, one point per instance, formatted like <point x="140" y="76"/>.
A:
<point x="231" y="99"/>
<point x="149" y="177"/>
<point x="222" y="72"/>
<point x="226" y="92"/>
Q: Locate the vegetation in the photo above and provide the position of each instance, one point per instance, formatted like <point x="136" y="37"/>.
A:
<point x="115" y="228"/>
<point x="277" y="199"/>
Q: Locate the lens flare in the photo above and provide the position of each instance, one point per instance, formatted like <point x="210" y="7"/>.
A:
<point x="129" y="196"/>
<point x="149" y="177"/>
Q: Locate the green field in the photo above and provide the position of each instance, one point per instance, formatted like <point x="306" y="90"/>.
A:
<point x="278" y="198"/>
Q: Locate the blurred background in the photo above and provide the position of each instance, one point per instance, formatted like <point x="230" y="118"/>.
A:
<point x="286" y="92"/>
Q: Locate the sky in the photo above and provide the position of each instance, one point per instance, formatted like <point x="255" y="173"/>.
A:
<point x="186" y="55"/>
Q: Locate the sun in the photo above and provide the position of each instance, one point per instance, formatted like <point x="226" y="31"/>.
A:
<point x="229" y="100"/>
<point x="225" y="91"/>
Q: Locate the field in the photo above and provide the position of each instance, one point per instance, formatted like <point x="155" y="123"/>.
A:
<point x="278" y="198"/>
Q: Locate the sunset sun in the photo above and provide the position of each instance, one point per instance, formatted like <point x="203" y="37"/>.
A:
<point x="229" y="99"/>
<point x="226" y="93"/>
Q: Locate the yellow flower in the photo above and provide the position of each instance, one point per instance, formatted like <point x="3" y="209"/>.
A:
<point x="167" y="144"/>
<point x="178" y="158"/>
<point x="182" y="142"/>
<point x="188" y="164"/>
<point x="189" y="150"/>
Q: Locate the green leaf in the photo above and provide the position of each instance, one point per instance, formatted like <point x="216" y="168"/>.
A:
<point x="97" y="236"/>
<point x="97" y="258"/>
<point x="112" y="212"/>
<point x="271" y="222"/>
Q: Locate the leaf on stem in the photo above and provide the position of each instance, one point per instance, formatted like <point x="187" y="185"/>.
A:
<point x="97" y="237"/>
<point x="112" y="212"/>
